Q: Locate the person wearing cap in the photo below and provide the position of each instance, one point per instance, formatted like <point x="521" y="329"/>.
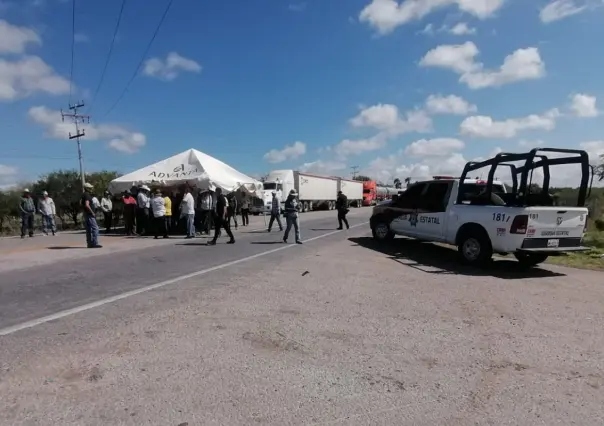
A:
<point x="92" y="229"/>
<point x="291" y="216"/>
<point x="142" y="210"/>
<point x="27" y="209"/>
<point x="129" y="212"/>
<point x="158" y="206"/>
<point x="275" y="213"/>
<point x="107" y="208"/>
<point x="342" y="208"/>
<point x="46" y="208"/>
<point x="221" y="220"/>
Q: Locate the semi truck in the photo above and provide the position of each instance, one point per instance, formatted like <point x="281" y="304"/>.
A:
<point x="314" y="191"/>
<point x="353" y="189"/>
<point x="374" y="193"/>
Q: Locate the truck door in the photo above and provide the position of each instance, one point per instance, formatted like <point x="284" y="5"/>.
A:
<point x="406" y="210"/>
<point x="431" y="210"/>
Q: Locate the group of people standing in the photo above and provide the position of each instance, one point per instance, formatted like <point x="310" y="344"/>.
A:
<point x="159" y="214"/>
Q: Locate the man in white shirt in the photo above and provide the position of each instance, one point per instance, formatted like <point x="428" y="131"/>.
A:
<point x="158" y="206"/>
<point x="142" y="210"/>
<point x="107" y="208"/>
<point x="187" y="210"/>
<point x="46" y="207"/>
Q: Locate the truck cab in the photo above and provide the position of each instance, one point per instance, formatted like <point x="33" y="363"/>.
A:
<point x="482" y="217"/>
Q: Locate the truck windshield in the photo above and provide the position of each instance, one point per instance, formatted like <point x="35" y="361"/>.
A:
<point x="271" y="186"/>
<point x="366" y="191"/>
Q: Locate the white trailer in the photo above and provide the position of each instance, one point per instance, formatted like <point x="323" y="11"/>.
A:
<point x="314" y="191"/>
<point x="353" y="189"/>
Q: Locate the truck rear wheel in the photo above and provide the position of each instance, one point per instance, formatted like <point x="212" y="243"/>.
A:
<point x="528" y="260"/>
<point x="475" y="247"/>
<point x="381" y="232"/>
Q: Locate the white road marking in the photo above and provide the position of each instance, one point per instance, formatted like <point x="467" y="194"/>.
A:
<point x="62" y="314"/>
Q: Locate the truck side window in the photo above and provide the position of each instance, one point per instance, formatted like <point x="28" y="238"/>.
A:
<point x="434" y="200"/>
<point x="411" y="197"/>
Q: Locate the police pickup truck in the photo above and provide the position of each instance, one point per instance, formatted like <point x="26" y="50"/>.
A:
<point x="481" y="217"/>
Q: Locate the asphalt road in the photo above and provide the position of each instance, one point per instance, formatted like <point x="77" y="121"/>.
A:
<point x="41" y="291"/>
<point x="339" y="331"/>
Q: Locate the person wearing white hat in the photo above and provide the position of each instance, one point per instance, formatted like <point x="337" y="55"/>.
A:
<point x="291" y="216"/>
<point x="46" y="207"/>
<point x="92" y="229"/>
<point x="27" y="209"/>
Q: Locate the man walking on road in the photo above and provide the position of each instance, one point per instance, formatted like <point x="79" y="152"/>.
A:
<point x="27" y="209"/>
<point x="92" y="229"/>
<point x="232" y="209"/>
<point x="275" y="213"/>
<point x="245" y="210"/>
<point x="187" y="210"/>
<point x="291" y="216"/>
<point x="342" y="208"/>
<point x="107" y="208"/>
<point x="221" y="218"/>
<point x="46" y="207"/>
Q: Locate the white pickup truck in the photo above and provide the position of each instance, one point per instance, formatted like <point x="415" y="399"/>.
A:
<point x="432" y="211"/>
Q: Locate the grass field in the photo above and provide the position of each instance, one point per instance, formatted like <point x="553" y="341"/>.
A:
<point x="587" y="260"/>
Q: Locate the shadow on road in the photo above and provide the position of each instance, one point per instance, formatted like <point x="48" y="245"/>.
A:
<point x="266" y="242"/>
<point x="324" y="229"/>
<point x="64" y="248"/>
<point x="435" y="259"/>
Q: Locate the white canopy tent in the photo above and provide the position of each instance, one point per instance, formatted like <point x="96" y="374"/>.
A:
<point x="190" y="167"/>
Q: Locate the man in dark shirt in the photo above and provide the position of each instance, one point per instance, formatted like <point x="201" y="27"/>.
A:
<point x="342" y="208"/>
<point x="92" y="229"/>
<point x="221" y="218"/>
<point x="27" y="209"/>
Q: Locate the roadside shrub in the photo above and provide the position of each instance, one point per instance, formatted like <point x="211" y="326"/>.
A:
<point x="599" y="225"/>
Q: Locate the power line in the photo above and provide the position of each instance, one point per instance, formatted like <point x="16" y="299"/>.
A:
<point x="142" y="58"/>
<point x="117" y="27"/>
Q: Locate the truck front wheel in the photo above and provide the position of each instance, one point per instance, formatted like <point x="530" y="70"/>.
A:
<point x="528" y="260"/>
<point x="381" y="232"/>
<point x="475" y="248"/>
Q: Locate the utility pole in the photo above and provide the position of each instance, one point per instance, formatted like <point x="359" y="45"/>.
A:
<point x="77" y="119"/>
<point x="354" y="171"/>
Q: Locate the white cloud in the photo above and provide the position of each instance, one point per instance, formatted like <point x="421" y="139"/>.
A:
<point x="355" y="147"/>
<point x="386" y="117"/>
<point x="386" y="15"/>
<point x="322" y="167"/>
<point x="584" y="105"/>
<point x="15" y="39"/>
<point x="530" y="143"/>
<point x="8" y="176"/>
<point x="486" y="127"/>
<point x="29" y="75"/>
<point x="560" y="9"/>
<point x="118" y="137"/>
<point x="171" y="68"/>
<point x="289" y="152"/>
<point x="437" y="147"/>
<point x="595" y="149"/>
<point x="462" y="29"/>
<point x="523" y="64"/>
<point x="438" y="104"/>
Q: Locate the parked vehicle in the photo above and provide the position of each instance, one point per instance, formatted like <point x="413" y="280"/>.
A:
<point x="482" y="217"/>
<point x="374" y="193"/>
<point x="353" y="189"/>
<point x="314" y="191"/>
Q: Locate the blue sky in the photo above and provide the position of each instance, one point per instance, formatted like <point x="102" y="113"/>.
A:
<point x="320" y="85"/>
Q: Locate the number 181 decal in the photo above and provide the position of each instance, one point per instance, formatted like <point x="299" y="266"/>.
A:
<point x="501" y="217"/>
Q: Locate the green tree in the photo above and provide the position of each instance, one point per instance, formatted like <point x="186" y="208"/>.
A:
<point x="9" y="207"/>
<point x="397" y="183"/>
<point x="362" y="178"/>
